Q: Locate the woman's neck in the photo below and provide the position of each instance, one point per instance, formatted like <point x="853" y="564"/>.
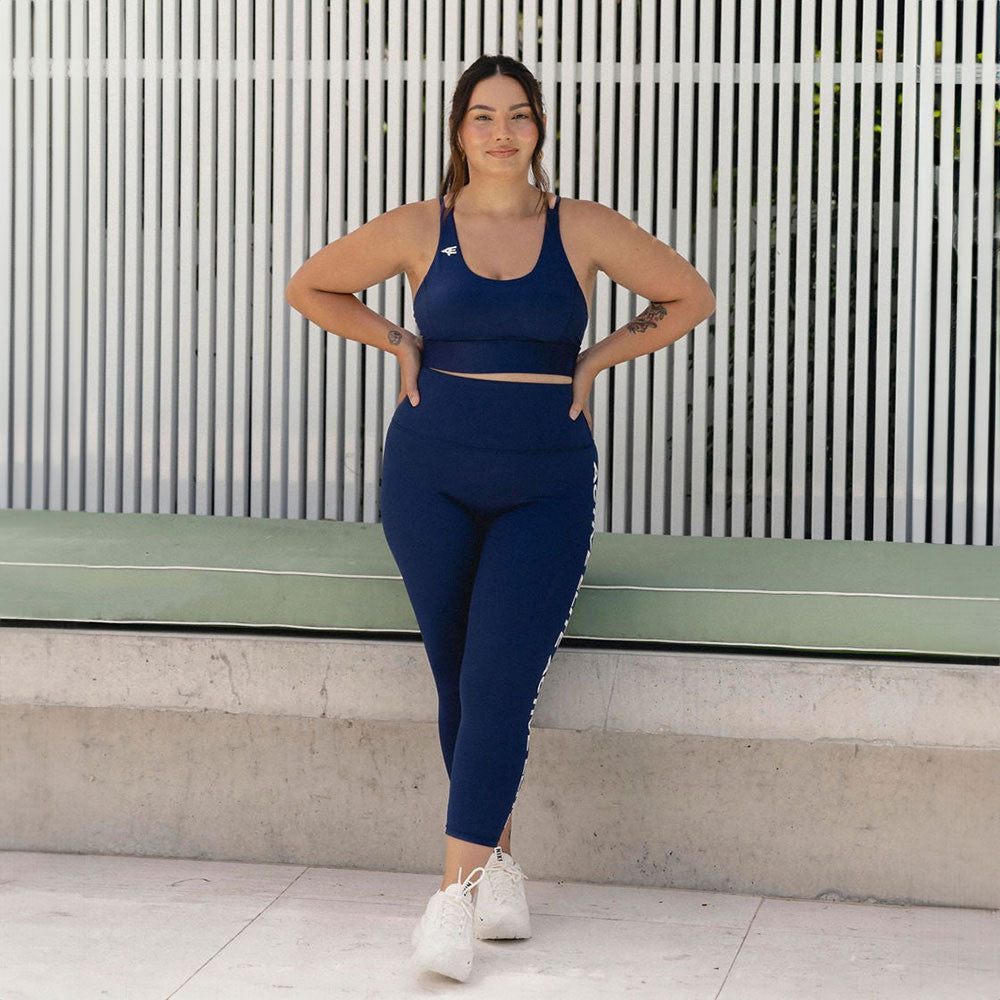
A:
<point x="499" y="200"/>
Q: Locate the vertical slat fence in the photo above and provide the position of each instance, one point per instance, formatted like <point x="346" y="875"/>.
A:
<point x="830" y="168"/>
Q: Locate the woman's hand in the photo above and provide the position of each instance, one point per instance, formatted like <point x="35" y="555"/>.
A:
<point x="409" y="353"/>
<point x="583" y="382"/>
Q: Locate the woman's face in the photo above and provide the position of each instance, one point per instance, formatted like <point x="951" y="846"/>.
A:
<point x="499" y="132"/>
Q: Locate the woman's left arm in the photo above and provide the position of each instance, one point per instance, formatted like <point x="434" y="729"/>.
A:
<point x="680" y="298"/>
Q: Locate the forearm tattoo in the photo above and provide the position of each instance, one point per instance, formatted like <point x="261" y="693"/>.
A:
<point x="649" y="317"/>
<point x="395" y="336"/>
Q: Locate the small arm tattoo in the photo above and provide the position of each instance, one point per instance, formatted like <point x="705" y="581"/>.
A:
<point x="649" y="317"/>
<point x="395" y="336"/>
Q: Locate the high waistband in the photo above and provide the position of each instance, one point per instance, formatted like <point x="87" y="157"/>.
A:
<point x="495" y="415"/>
<point x="481" y="356"/>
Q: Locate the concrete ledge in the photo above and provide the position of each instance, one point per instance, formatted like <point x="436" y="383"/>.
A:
<point x="896" y="702"/>
<point x="835" y="778"/>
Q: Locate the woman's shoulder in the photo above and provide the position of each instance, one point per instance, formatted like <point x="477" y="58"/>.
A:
<point x="414" y="218"/>
<point x="585" y="226"/>
<point x="588" y="213"/>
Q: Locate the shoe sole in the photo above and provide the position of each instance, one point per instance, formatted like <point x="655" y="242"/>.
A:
<point x="501" y="934"/>
<point x="436" y="963"/>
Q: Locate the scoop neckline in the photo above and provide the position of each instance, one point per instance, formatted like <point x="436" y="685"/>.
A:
<point x="549" y="209"/>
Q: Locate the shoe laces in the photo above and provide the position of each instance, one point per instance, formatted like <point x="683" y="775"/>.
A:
<point x="504" y="878"/>
<point x="456" y="909"/>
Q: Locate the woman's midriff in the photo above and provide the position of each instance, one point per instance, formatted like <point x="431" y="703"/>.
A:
<point x="510" y="376"/>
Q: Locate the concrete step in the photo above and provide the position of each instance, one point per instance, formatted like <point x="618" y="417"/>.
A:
<point x="838" y="779"/>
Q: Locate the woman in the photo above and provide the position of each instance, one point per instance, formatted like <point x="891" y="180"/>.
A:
<point x="489" y="476"/>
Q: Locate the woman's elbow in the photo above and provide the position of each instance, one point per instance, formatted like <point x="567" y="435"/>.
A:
<point x="295" y="290"/>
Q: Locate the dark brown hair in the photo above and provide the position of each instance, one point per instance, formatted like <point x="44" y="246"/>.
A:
<point x="457" y="174"/>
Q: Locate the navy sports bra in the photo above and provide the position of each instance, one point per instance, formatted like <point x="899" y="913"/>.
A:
<point x="473" y="324"/>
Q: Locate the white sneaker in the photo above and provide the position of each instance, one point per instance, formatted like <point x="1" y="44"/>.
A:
<point x="501" y="906"/>
<point x="443" y="935"/>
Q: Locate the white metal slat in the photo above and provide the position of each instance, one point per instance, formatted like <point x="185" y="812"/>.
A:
<point x="113" y="361"/>
<point x="490" y="44"/>
<point x="741" y="292"/>
<point x="546" y="77"/>
<point x="798" y="498"/>
<point x="94" y="264"/>
<point x="149" y="336"/>
<point x="435" y="120"/>
<point x="167" y="318"/>
<point x="985" y="323"/>
<point x="628" y="437"/>
<point x="292" y="60"/>
<point x="759" y="494"/>
<point x="452" y="41"/>
<point x="40" y="349"/>
<point x="879" y="402"/>
<point x="680" y="351"/>
<point x="644" y="456"/>
<point x="587" y="186"/>
<point x="922" y="279"/>
<point x="564" y="162"/>
<point x="701" y="259"/>
<point x="965" y="139"/>
<point x="291" y="177"/>
<point x="133" y="342"/>
<point x="472" y="45"/>
<point x="858" y="487"/>
<point x="375" y="297"/>
<point x="444" y="74"/>
<point x="313" y="236"/>
<point x="847" y="268"/>
<point x="8" y="258"/>
<point x="396" y="153"/>
<point x="780" y="500"/>
<point x="334" y="347"/>
<point x="904" y="318"/>
<point x="604" y="418"/>
<point x="354" y="153"/>
<point x="261" y="391"/>
<point x="160" y="320"/>
<point x="511" y="34"/>
<point x="283" y="496"/>
<point x="417" y="132"/>
<point x="242" y="263"/>
<point x="824" y="201"/>
<point x="20" y="417"/>
<point x="941" y="444"/>
<point x="225" y="331"/>
<point x="186" y="264"/>
<point x="664" y="230"/>
<point x="529" y="39"/>
<point x="722" y="286"/>
<point x="59" y="323"/>
<point x="207" y="278"/>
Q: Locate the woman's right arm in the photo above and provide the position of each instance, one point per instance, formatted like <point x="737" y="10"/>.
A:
<point x="324" y="288"/>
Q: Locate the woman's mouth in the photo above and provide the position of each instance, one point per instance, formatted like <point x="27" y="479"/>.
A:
<point x="502" y="152"/>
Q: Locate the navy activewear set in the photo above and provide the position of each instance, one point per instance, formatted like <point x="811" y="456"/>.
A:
<point x="488" y="497"/>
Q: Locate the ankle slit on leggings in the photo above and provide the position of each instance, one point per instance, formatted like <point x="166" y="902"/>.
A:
<point x="488" y="498"/>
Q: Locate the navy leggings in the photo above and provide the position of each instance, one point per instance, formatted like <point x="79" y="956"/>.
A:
<point x="488" y="497"/>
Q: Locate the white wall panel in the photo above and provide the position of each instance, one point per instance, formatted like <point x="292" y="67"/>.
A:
<point x="832" y="172"/>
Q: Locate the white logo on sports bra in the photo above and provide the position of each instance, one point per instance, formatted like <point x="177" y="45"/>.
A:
<point x="450" y="250"/>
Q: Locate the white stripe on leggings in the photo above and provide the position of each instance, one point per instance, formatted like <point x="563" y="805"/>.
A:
<point x="590" y="544"/>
